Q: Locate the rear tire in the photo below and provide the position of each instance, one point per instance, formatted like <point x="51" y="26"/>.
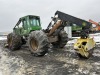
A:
<point x="63" y="39"/>
<point x="38" y="43"/>
<point x="14" y="41"/>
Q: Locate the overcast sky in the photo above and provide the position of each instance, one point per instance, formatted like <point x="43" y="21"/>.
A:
<point x="12" y="10"/>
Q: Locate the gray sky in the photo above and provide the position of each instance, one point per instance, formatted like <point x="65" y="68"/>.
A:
<point x="12" y="10"/>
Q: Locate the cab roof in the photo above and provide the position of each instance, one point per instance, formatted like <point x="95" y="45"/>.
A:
<point x="29" y="16"/>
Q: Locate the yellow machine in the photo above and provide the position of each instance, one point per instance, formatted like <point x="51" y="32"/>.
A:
<point x="83" y="46"/>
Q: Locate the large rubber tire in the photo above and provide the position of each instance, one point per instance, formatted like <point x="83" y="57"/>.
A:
<point x="38" y="43"/>
<point x="63" y="39"/>
<point x="14" y="41"/>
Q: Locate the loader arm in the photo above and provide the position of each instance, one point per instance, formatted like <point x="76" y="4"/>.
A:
<point x="56" y="26"/>
<point x="72" y="19"/>
<point x="65" y="20"/>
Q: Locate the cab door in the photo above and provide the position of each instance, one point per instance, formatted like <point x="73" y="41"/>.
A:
<point x="18" y="27"/>
<point x="25" y="26"/>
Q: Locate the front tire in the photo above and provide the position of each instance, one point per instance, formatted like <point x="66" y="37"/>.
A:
<point x="38" y="43"/>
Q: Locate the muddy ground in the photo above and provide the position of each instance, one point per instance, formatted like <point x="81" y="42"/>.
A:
<point x="56" y="62"/>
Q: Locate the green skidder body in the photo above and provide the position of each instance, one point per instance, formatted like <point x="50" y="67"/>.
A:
<point x="28" y="30"/>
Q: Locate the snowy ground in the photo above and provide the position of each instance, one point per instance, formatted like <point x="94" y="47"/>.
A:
<point x="3" y="37"/>
<point x="56" y="62"/>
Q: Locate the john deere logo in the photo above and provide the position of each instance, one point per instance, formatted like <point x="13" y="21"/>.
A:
<point x="84" y="24"/>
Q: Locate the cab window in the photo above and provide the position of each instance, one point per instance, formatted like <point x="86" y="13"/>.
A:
<point x="34" y="21"/>
<point x="25" y="24"/>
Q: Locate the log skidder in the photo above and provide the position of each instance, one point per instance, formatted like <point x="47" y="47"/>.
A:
<point x="28" y="28"/>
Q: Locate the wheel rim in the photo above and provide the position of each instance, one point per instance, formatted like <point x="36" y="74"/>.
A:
<point x="34" y="44"/>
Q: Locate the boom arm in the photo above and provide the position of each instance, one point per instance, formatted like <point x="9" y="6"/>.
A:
<point x="65" y="20"/>
<point x="72" y="19"/>
<point x="55" y="27"/>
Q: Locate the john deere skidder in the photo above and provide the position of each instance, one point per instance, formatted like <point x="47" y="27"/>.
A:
<point x="38" y="40"/>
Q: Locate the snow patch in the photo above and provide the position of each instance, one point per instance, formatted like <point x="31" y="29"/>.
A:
<point x="95" y="36"/>
<point x="71" y="42"/>
<point x="3" y="38"/>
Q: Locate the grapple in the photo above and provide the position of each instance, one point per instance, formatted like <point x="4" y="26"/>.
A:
<point x="84" y="47"/>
